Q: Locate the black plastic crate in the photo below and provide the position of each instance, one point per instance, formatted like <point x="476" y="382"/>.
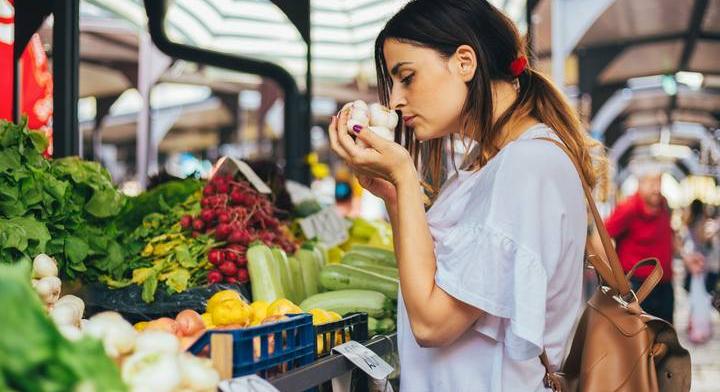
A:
<point x="353" y="326"/>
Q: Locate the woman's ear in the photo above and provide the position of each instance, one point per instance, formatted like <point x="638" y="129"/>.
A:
<point x="466" y="60"/>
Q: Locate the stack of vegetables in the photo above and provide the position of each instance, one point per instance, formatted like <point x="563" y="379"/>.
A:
<point x="236" y="214"/>
<point x="64" y="207"/>
<point x="366" y="281"/>
<point x="34" y="354"/>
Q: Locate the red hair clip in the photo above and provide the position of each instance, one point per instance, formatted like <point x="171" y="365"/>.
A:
<point x="518" y="66"/>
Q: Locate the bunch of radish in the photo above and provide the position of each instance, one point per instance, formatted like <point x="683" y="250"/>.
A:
<point x="66" y="311"/>
<point x="237" y="215"/>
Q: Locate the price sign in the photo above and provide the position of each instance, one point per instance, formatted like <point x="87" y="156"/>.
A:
<point x="365" y="359"/>
<point x="327" y="225"/>
<point x="251" y="383"/>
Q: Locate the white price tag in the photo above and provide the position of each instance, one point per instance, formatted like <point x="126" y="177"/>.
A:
<point x="227" y="165"/>
<point x="251" y="383"/>
<point x="365" y="359"/>
<point x="327" y="225"/>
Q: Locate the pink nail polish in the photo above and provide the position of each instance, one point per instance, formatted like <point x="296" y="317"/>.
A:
<point x="357" y="128"/>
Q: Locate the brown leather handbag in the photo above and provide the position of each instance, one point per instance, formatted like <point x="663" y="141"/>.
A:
<point x="617" y="346"/>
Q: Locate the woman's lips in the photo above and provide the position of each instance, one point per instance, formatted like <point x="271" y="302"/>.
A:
<point x="408" y="120"/>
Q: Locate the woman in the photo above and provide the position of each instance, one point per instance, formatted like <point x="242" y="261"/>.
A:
<point x="491" y="275"/>
<point x="701" y="238"/>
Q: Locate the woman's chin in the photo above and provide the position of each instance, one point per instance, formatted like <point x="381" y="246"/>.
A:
<point x="423" y="135"/>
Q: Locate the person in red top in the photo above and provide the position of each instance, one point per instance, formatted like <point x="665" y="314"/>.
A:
<point x="641" y="229"/>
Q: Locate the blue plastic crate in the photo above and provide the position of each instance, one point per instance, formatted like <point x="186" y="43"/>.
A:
<point x="293" y="342"/>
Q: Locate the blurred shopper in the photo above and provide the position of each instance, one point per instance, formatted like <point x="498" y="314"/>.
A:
<point x="641" y="229"/>
<point x="701" y="236"/>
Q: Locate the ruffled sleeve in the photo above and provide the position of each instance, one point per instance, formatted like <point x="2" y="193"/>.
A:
<point x="488" y="270"/>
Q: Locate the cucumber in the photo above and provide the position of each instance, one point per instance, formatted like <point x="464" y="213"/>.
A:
<point x="385" y="325"/>
<point x="265" y="281"/>
<point x="286" y="277"/>
<point x="369" y="265"/>
<point x="296" y="277"/>
<point x="340" y="277"/>
<point x="309" y="271"/>
<point x="372" y="326"/>
<point x="348" y="301"/>
<point x="385" y="256"/>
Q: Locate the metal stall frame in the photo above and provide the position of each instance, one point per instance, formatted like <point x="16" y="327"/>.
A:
<point x="296" y="109"/>
<point x="29" y="16"/>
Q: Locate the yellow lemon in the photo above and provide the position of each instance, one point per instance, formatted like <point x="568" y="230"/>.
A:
<point x="207" y="320"/>
<point x="231" y="312"/>
<point x="334" y="316"/>
<point x="282" y="306"/>
<point x="320" y="316"/>
<point x="140" y="326"/>
<point x="221" y="296"/>
<point x="260" y="309"/>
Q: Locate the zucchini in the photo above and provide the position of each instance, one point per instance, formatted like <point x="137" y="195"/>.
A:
<point x="348" y="301"/>
<point x="385" y="325"/>
<point x="265" y="282"/>
<point x="369" y="265"/>
<point x="309" y="271"/>
<point x="286" y="278"/>
<point x="296" y="277"/>
<point x="340" y="277"/>
<point x="385" y="256"/>
<point x="372" y="326"/>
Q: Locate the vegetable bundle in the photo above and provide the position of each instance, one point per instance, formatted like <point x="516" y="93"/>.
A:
<point x="64" y="207"/>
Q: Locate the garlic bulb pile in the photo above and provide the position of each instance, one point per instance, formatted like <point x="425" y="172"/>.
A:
<point x="376" y="117"/>
<point x="66" y="311"/>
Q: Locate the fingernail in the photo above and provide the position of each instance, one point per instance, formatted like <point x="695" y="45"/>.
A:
<point x="357" y="128"/>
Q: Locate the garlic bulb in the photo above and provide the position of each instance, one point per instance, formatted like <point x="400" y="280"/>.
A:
<point x="49" y="289"/>
<point x="376" y="117"/>
<point x="44" y="266"/>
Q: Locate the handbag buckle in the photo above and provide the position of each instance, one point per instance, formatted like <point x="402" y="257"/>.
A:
<point x="624" y="302"/>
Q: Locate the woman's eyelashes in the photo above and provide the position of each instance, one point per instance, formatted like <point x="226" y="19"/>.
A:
<point x="407" y="79"/>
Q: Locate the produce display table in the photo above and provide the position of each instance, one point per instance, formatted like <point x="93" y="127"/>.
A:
<point x="327" y="368"/>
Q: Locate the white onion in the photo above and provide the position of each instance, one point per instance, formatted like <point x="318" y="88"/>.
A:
<point x="157" y="341"/>
<point x="49" y="289"/>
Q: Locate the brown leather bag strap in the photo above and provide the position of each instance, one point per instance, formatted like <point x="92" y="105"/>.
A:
<point x="614" y="275"/>
<point x="651" y="281"/>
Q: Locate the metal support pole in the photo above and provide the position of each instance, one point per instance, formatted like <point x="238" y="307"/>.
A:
<point x="66" y="135"/>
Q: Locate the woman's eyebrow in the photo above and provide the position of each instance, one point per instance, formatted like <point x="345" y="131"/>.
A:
<point x="397" y="66"/>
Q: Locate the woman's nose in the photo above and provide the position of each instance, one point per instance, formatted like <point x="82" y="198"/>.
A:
<point x="397" y="100"/>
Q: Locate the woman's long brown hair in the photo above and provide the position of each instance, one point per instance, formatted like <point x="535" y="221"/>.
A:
<point x="444" y="26"/>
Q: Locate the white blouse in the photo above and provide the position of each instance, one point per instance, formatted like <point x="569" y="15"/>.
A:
<point x="509" y="240"/>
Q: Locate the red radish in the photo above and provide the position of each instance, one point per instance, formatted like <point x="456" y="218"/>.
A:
<point x="231" y="256"/>
<point x="223" y="217"/>
<point x="209" y="190"/>
<point x="207" y="215"/>
<point x="228" y="268"/>
<point x="222" y="231"/>
<point x="241" y="261"/>
<point x="237" y="197"/>
<point x="243" y="275"/>
<point x="186" y="222"/>
<point x="221" y="187"/>
<point x="198" y="224"/>
<point x="215" y="276"/>
<point x="189" y="322"/>
<point x="231" y="280"/>
<point x="204" y="202"/>
<point x="215" y="257"/>
<point x="195" y="234"/>
<point x="237" y="237"/>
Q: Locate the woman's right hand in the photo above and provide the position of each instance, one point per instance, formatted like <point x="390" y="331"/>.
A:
<point x="379" y="187"/>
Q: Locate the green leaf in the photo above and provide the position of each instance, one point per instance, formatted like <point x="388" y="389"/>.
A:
<point x="182" y="254"/>
<point x="39" y="141"/>
<point x="9" y="160"/>
<point x="149" y="288"/>
<point x="177" y="280"/>
<point x="76" y="250"/>
<point x="105" y="203"/>
<point x="19" y="233"/>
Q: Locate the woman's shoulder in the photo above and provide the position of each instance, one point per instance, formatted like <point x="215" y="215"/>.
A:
<point x="535" y="156"/>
